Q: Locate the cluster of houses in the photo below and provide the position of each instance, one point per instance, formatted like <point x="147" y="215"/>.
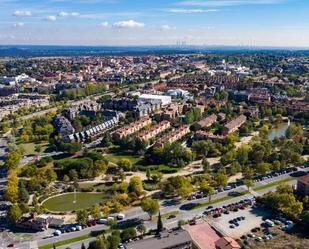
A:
<point x="93" y="131"/>
<point x="174" y="135"/>
<point x="132" y="127"/>
<point x="13" y="103"/>
<point x="153" y="131"/>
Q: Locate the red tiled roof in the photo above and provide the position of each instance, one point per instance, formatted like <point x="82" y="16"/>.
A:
<point x="203" y="235"/>
<point x="304" y="179"/>
<point x="227" y="243"/>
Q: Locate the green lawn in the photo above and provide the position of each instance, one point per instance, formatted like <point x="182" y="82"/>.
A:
<point x="64" y="203"/>
<point x="271" y="184"/>
<point x="207" y="203"/>
<point x="115" y="157"/>
<point x="65" y="242"/>
<point x="29" y="148"/>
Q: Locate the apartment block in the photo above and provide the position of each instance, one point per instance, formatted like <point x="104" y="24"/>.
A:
<point x="206" y="122"/>
<point x="132" y="128"/>
<point x="154" y="130"/>
<point x="174" y="135"/>
<point x="234" y="124"/>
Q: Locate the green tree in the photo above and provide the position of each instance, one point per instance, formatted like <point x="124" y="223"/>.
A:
<point x="248" y="183"/>
<point x="206" y="165"/>
<point x="136" y="186"/>
<point x="113" y="240"/>
<point x="208" y="190"/>
<point x="150" y="206"/>
<point x="95" y="212"/>
<point x="14" y="214"/>
<point x="125" y="164"/>
<point x="159" y="224"/>
<point x="82" y="217"/>
<point x="141" y="229"/>
<point x="128" y="233"/>
<point x="13" y="159"/>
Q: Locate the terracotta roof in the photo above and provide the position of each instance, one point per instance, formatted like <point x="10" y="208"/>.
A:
<point x="304" y="179"/>
<point x="203" y="235"/>
<point x="227" y="243"/>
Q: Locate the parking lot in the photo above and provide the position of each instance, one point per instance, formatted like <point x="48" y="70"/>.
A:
<point x="252" y="218"/>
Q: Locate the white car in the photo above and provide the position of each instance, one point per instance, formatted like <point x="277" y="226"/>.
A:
<point x="57" y="233"/>
<point x="120" y="216"/>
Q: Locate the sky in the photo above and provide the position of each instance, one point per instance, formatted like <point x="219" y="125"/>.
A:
<point x="279" y="23"/>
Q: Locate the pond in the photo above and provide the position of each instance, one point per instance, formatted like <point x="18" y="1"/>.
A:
<point x="278" y="131"/>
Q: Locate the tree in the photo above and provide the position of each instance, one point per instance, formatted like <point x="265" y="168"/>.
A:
<point x="11" y="193"/>
<point x="177" y="185"/>
<point x="136" y="186"/>
<point x="125" y="164"/>
<point x="221" y="179"/>
<point x="23" y="193"/>
<point x="248" y="183"/>
<point x="128" y="233"/>
<point x="206" y="165"/>
<point x="13" y="159"/>
<point x="208" y="190"/>
<point x="242" y="155"/>
<point x="159" y="224"/>
<point x="150" y="206"/>
<point x="14" y="214"/>
<point x="99" y="243"/>
<point x="141" y="229"/>
<point x="82" y="217"/>
<point x="95" y="212"/>
<point x="113" y="240"/>
<point x="148" y="174"/>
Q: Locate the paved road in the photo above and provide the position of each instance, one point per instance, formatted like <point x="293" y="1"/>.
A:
<point x="137" y="212"/>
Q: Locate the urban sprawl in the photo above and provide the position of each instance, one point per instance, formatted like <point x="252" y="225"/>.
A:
<point x="207" y="151"/>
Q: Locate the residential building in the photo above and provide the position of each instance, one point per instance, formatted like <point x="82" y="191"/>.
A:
<point x="227" y="243"/>
<point x="204" y="123"/>
<point x="174" y="135"/>
<point x="303" y="185"/>
<point x="203" y="236"/>
<point x="154" y="130"/>
<point x="132" y="127"/>
<point x="165" y="100"/>
<point x="179" y="239"/>
<point x="63" y="126"/>
<point x="93" y="131"/>
<point x="234" y="124"/>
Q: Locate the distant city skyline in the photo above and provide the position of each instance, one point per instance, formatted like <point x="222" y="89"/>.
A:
<point x="278" y="23"/>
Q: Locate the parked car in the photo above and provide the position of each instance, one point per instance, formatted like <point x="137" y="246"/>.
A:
<point x="120" y="216"/>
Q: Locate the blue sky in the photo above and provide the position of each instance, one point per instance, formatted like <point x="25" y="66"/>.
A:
<point x="155" y="22"/>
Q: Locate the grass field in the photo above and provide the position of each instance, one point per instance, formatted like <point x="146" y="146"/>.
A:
<point x="115" y="157"/>
<point x="271" y="184"/>
<point x="29" y="148"/>
<point x="65" y="242"/>
<point x="207" y="203"/>
<point x="64" y="203"/>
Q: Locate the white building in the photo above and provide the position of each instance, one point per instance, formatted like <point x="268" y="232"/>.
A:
<point x="165" y="100"/>
<point x="177" y="93"/>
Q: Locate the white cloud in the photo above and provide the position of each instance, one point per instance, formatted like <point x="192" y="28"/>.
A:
<point x="191" y="11"/>
<point x="128" y="24"/>
<point x="166" y="27"/>
<point x="19" y="25"/>
<point x="51" y="18"/>
<point x="222" y="3"/>
<point x="104" y="24"/>
<point x="22" y="13"/>
<point x="64" y="13"/>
